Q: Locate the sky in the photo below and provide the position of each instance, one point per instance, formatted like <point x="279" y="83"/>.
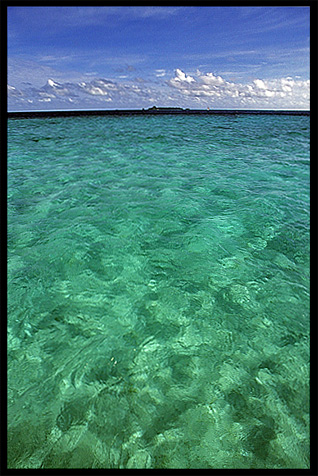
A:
<point x="138" y="57"/>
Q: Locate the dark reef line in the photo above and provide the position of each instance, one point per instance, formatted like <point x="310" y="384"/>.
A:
<point x="152" y="111"/>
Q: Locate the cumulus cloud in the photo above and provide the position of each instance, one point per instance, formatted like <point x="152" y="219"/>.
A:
<point x="98" y="87"/>
<point x="259" y="84"/>
<point x="195" y="90"/>
<point x="181" y="77"/>
<point x="275" y="93"/>
<point x="95" y="93"/>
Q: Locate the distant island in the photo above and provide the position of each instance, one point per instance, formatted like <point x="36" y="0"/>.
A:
<point x="154" y="110"/>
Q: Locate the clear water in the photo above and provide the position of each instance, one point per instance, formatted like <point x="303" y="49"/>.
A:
<point x="158" y="292"/>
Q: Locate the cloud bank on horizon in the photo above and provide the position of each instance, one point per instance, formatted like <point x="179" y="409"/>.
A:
<point x="137" y="57"/>
<point x="201" y="91"/>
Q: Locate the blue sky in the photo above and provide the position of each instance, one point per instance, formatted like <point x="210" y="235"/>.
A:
<point x="133" y="57"/>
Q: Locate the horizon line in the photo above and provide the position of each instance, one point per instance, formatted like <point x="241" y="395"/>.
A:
<point x="154" y="110"/>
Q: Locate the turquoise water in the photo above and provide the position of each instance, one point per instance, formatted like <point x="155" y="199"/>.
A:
<point x="158" y="292"/>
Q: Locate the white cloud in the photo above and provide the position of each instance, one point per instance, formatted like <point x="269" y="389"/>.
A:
<point x="95" y="93"/>
<point x="277" y="93"/>
<point x="199" y="90"/>
<point x="97" y="87"/>
<point x="160" y="73"/>
<point x="180" y="76"/>
<point x="259" y="84"/>
<point x="210" y="79"/>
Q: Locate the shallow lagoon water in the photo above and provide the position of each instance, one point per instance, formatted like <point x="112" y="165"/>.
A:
<point x="158" y="292"/>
